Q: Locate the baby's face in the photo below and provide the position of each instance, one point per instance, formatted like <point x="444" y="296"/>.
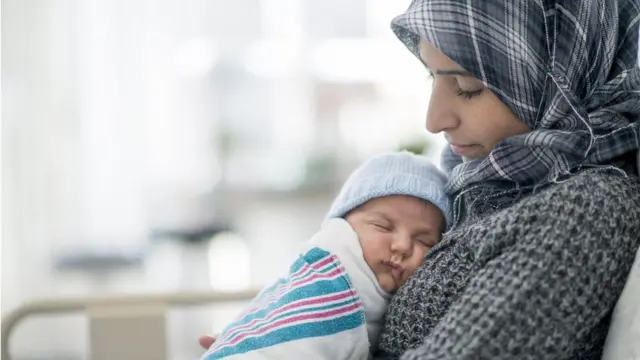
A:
<point x="395" y="233"/>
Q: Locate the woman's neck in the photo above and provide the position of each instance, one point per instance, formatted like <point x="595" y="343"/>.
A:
<point x="482" y="200"/>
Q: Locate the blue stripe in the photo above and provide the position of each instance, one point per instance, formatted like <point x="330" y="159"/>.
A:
<point x="308" y="330"/>
<point x="346" y="302"/>
<point x="311" y="257"/>
<point x="317" y="288"/>
<point x="315" y="254"/>
<point x="297" y="332"/>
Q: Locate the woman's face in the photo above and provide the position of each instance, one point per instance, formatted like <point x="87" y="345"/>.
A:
<point x="472" y="117"/>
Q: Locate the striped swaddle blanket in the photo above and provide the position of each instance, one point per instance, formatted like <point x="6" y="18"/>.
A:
<point x="314" y="312"/>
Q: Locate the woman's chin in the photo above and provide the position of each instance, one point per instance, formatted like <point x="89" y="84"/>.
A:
<point x="474" y="157"/>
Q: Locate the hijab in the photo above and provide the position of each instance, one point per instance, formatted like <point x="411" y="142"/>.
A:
<point x="568" y="69"/>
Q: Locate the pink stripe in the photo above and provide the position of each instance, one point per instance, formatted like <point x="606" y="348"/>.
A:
<point x="317" y="266"/>
<point x="277" y="292"/>
<point x="310" y="278"/>
<point x="291" y="320"/>
<point x="283" y="288"/>
<point x="319" y="300"/>
<point x="332" y="273"/>
<point x="295" y="305"/>
<point x="320" y="264"/>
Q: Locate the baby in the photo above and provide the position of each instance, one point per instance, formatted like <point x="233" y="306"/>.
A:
<point x="390" y="212"/>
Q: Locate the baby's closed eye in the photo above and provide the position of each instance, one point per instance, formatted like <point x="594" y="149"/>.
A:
<point x="426" y="241"/>
<point x="382" y="226"/>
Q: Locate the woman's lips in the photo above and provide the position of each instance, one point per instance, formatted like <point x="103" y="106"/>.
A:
<point x="462" y="150"/>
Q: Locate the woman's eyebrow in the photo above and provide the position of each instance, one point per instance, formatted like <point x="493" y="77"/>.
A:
<point x="454" y="73"/>
<point x="447" y="72"/>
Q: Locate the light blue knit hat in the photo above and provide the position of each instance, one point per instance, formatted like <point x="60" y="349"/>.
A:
<point x="399" y="173"/>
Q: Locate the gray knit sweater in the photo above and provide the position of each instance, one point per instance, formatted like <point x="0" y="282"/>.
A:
<point x="537" y="280"/>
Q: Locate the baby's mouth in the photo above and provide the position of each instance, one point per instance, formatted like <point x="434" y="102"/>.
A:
<point x="397" y="272"/>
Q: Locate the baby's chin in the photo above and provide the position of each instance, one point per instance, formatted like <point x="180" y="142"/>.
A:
<point x="388" y="284"/>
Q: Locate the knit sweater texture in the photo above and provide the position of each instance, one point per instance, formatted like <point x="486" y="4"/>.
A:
<point x="536" y="280"/>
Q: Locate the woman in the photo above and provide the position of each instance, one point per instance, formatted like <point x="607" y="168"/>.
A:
<point x="540" y="102"/>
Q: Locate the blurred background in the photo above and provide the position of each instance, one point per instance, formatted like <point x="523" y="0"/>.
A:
<point x="165" y="145"/>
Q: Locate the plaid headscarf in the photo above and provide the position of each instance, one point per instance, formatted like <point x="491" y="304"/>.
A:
<point x="567" y="68"/>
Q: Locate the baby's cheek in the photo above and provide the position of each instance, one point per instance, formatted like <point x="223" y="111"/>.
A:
<point x="409" y="271"/>
<point x="419" y="254"/>
<point x="412" y="266"/>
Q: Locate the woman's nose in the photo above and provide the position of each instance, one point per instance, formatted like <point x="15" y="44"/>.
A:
<point x="442" y="113"/>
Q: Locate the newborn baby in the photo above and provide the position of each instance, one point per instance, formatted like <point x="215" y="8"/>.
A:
<point x="390" y="212"/>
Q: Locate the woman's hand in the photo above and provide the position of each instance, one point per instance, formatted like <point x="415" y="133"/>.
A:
<point x="207" y="340"/>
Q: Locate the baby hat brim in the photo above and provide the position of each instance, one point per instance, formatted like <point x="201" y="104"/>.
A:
<point x="399" y="173"/>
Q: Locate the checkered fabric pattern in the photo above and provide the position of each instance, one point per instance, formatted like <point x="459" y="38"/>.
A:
<point x="567" y="68"/>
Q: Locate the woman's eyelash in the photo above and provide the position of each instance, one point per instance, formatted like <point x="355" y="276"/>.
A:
<point x="468" y="94"/>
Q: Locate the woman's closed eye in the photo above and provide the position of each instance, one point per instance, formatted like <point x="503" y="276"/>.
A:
<point x="468" y="94"/>
<point x="460" y="90"/>
<point x="468" y="87"/>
